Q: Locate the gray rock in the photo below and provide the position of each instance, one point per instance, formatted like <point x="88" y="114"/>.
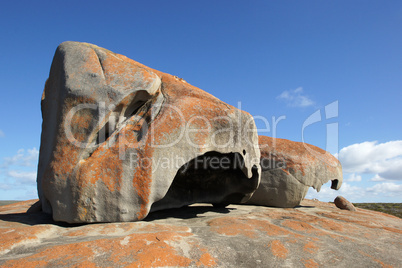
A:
<point x="342" y="203"/>
<point x="289" y="168"/>
<point x="316" y="234"/>
<point x="120" y="139"/>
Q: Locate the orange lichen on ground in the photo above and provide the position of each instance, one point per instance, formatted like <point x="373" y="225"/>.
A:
<point x="103" y="229"/>
<point x="18" y="207"/>
<point x="206" y="260"/>
<point x="233" y="226"/>
<point x="162" y="227"/>
<point x="310" y="247"/>
<point x="194" y="242"/>
<point x="331" y="225"/>
<point x="393" y="230"/>
<point x="369" y="220"/>
<point x="140" y="249"/>
<point x="300" y="226"/>
<point x="63" y="255"/>
<point x="245" y="226"/>
<point x="383" y="265"/>
<point x="149" y="250"/>
<point x="326" y="225"/>
<point x="310" y="263"/>
<point x="13" y="237"/>
<point x="278" y="249"/>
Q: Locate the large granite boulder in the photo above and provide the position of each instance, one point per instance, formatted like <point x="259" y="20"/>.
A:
<point x="120" y="139"/>
<point x="316" y="234"/>
<point x="289" y="168"/>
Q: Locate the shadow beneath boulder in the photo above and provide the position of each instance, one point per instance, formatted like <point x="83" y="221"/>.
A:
<point x="186" y="212"/>
<point x="34" y="219"/>
<point x="300" y="206"/>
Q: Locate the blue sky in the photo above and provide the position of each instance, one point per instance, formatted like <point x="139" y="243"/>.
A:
<point x="280" y="59"/>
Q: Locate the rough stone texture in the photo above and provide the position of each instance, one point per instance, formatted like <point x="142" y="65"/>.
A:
<point x="120" y="139"/>
<point x="316" y="234"/>
<point x="289" y="168"/>
<point x="342" y="203"/>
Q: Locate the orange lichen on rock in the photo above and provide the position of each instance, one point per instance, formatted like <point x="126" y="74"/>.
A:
<point x="288" y="170"/>
<point x="233" y="226"/>
<point x="140" y="249"/>
<point x="206" y="260"/>
<point x="105" y="115"/>
<point x="307" y="154"/>
<point x="383" y="265"/>
<point x="65" y="255"/>
<point x="245" y="236"/>
<point x="20" y="235"/>
<point x="142" y="186"/>
<point x="310" y="263"/>
<point x="310" y="247"/>
<point x="300" y="226"/>
<point x="104" y="167"/>
<point x="278" y="249"/>
<point x="245" y="226"/>
<point x="18" y="207"/>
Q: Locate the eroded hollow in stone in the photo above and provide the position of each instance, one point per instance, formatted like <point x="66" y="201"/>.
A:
<point x="334" y="184"/>
<point x="211" y="178"/>
<point x="116" y="119"/>
<point x="121" y="113"/>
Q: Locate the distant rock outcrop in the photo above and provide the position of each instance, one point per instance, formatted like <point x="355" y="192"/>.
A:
<point x="342" y="203"/>
<point x="289" y="168"/>
<point x="316" y="234"/>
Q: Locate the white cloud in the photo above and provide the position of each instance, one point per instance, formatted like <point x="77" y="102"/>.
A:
<point x="354" y="177"/>
<point x="295" y="98"/>
<point x="22" y="158"/>
<point x="2" y="134"/>
<point x="18" y="173"/>
<point x="378" y="193"/>
<point x="371" y="157"/>
<point x="23" y="176"/>
<point x="348" y="191"/>
<point x="386" y="188"/>
<point x="4" y="186"/>
<point x="377" y="178"/>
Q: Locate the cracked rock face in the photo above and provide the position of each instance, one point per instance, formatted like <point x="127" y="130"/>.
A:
<point x="120" y="139"/>
<point x="289" y="168"/>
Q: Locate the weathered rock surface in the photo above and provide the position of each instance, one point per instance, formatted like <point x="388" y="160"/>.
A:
<point x="316" y="234"/>
<point x="342" y="203"/>
<point x="289" y="168"/>
<point x="120" y="139"/>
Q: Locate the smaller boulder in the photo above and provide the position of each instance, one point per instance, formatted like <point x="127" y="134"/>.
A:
<point x="289" y="169"/>
<point x="342" y="203"/>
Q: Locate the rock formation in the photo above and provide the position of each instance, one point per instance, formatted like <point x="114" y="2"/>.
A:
<point x="289" y="168"/>
<point x="342" y="203"/>
<point x="120" y="139"/>
<point x="317" y="234"/>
